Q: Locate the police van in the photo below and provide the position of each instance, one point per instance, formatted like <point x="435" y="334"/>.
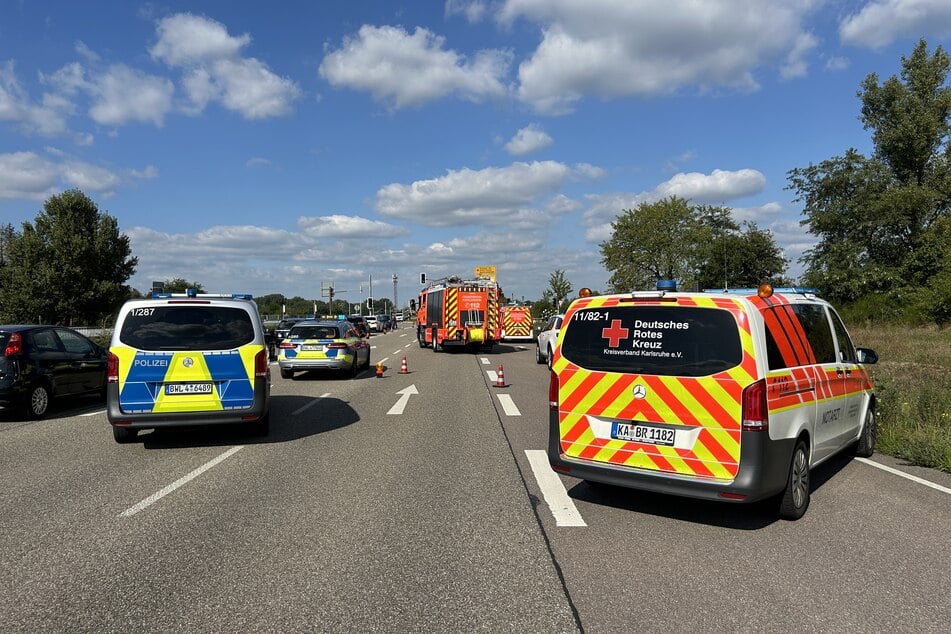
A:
<point x="188" y="359"/>
<point x="732" y="396"/>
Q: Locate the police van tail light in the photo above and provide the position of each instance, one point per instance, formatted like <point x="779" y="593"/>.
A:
<point x="755" y="410"/>
<point x="336" y="346"/>
<point x="112" y="370"/>
<point x="553" y="392"/>
<point x="260" y="364"/>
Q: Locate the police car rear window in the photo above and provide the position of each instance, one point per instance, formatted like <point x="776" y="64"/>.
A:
<point x="660" y="340"/>
<point x="187" y="328"/>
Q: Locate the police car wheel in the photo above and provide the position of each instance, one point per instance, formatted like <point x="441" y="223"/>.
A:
<point x="287" y="374"/>
<point x="366" y="365"/>
<point x="794" y="499"/>
<point x="38" y="402"/>
<point x="123" y="435"/>
<point x="865" y="446"/>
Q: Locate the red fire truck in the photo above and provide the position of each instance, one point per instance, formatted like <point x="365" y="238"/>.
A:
<point x="453" y="312"/>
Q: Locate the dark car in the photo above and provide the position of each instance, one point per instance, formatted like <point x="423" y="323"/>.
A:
<point x="40" y="363"/>
<point x="386" y="323"/>
<point x="284" y="326"/>
<point x="361" y="325"/>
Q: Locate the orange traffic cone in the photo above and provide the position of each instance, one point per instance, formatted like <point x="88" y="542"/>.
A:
<point x="403" y="368"/>
<point x="379" y="370"/>
<point x="500" y="378"/>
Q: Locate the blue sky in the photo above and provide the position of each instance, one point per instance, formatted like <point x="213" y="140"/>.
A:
<point x="269" y="147"/>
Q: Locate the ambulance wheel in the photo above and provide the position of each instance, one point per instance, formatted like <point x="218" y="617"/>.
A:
<point x="37" y="402"/>
<point x="539" y="359"/>
<point x="865" y="446"/>
<point x="123" y="435"/>
<point x="262" y="426"/>
<point x="794" y="499"/>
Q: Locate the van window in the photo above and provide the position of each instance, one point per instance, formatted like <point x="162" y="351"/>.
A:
<point x="847" y="352"/>
<point x="818" y="332"/>
<point x="187" y="328"/>
<point x="660" y="340"/>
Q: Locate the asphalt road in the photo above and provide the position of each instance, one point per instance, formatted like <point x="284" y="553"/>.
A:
<point x="370" y="508"/>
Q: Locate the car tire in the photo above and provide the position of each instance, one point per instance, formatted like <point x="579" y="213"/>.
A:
<point x="367" y="364"/>
<point x="539" y="359"/>
<point x="550" y="357"/>
<point x="420" y="338"/>
<point x="354" y="367"/>
<point x="865" y="446"/>
<point x="287" y="374"/>
<point x="436" y="346"/>
<point x="123" y="435"/>
<point x="794" y="499"/>
<point x="38" y="402"/>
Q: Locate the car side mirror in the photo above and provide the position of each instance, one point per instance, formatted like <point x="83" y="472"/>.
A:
<point x="866" y="355"/>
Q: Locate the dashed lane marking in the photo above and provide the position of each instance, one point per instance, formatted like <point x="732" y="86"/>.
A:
<point x="313" y="402"/>
<point x="508" y="405"/>
<point x="907" y="476"/>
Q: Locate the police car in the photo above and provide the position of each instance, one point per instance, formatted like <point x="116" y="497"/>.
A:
<point x="188" y="359"/>
<point x="323" y="345"/>
<point x="733" y="396"/>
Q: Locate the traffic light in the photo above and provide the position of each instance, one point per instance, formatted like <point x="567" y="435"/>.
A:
<point x="369" y="303"/>
<point x="422" y="278"/>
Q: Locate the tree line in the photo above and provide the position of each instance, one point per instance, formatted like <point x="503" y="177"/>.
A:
<point x="882" y="224"/>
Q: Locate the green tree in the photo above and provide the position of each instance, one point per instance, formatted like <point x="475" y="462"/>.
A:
<point x="875" y="216"/>
<point x="69" y="266"/>
<point x="658" y="240"/>
<point x="732" y="255"/>
<point x="180" y="285"/>
<point x="559" y="289"/>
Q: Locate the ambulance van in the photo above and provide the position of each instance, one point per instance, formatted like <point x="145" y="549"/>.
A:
<point x="189" y="359"/>
<point x="733" y="396"/>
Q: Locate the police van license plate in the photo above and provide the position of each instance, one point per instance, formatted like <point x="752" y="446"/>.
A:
<point x="310" y="347"/>
<point x="188" y="388"/>
<point x="643" y="433"/>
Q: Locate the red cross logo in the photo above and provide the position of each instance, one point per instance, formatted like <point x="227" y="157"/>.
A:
<point x="615" y="334"/>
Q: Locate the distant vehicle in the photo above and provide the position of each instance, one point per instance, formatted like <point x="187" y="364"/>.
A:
<point x="360" y="323"/>
<point x="284" y="326"/>
<point x="40" y="363"/>
<point x="373" y="324"/>
<point x="386" y="323"/>
<point x="452" y="312"/>
<point x="188" y="359"/>
<point x="323" y="345"/>
<point x="547" y="337"/>
<point x="516" y="323"/>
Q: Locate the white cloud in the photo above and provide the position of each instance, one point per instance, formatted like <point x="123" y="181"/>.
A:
<point x="123" y="94"/>
<point x="257" y="161"/>
<point x="29" y="176"/>
<point x="615" y="48"/>
<point x="880" y="22"/>
<point x="763" y="213"/>
<point x="473" y="10"/>
<point x="47" y="118"/>
<point x="475" y="197"/>
<point x="718" y="187"/>
<point x="340" y="226"/>
<point x="215" y="71"/>
<point x="410" y="70"/>
<point x="837" y="63"/>
<point x="529" y="139"/>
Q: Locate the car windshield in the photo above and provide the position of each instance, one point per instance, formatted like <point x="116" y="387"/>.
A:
<point x="187" y="328"/>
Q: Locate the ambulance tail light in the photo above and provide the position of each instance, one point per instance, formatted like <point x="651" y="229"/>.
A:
<point x="14" y="345"/>
<point x="260" y="364"/>
<point x="112" y="369"/>
<point x="755" y="409"/>
<point x="553" y="392"/>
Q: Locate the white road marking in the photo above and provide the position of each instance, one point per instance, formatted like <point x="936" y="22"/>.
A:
<point x="96" y="413"/>
<point x="403" y="335"/>
<point x="313" y="402"/>
<point x="484" y="360"/>
<point x="155" y="497"/>
<point x="508" y="405"/>
<point x="396" y="351"/>
<point x="562" y="508"/>
<point x="493" y="377"/>
<point x="400" y="405"/>
<point x="383" y="360"/>
<point x="902" y="474"/>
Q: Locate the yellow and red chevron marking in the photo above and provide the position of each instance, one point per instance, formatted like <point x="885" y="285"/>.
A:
<point x="452" y="311"/>
<point x="712" y="403"/>
<point x="517" y="321"/>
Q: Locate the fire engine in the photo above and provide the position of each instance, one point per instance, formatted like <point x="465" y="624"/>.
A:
<point x="453" y="312"/>
<point x="517" y="323"/>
